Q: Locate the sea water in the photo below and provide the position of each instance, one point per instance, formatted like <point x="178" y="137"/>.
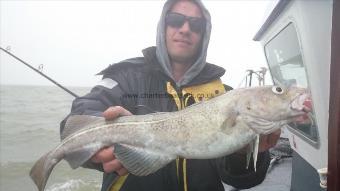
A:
<point x="29" y="127"/>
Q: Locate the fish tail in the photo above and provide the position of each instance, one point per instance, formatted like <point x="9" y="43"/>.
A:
<point x="42" y="169"/>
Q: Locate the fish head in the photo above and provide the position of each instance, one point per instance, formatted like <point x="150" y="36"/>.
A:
<point x="266" y="109"/>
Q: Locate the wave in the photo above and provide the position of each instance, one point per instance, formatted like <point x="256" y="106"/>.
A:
<point x="73" y="185"/>
<point x="63" y="178"/>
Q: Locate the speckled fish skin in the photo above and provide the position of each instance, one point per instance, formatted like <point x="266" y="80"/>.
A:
<point x="146" y="143"/>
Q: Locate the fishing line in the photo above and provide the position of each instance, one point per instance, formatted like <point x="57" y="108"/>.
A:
<point x="40" y="72"/>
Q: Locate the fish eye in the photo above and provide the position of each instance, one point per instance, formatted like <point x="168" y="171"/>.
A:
<point x="277" y="90"/>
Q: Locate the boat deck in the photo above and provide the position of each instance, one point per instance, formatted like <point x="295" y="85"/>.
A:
<point x="279" y="173"/>
<point x="278" y="178"/>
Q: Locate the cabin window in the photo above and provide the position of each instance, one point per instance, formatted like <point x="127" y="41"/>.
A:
<point x="284" y="58"/>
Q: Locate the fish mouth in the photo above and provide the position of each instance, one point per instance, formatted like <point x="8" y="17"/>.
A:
<point x="300" y="112"/>
<point x="302" y="103"/>
<point x="302" y="107"/>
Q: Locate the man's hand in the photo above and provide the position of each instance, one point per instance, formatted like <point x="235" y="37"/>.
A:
<point x="106" y="155"/>
<point x="269" y="141"/>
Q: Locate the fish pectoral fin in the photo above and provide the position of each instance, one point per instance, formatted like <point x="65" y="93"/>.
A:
<point x="231" y="119"/>
<point x="141" y="161"/>
<point x="78" y="157"/>
<point x="77" y="122"/>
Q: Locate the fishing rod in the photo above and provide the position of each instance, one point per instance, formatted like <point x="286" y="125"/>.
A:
<point x="39" y="72"/>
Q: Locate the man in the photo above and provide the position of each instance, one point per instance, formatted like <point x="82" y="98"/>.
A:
<point x="169" y="77"/>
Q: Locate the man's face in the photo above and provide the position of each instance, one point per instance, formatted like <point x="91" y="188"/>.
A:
<point x="181" y="41"/>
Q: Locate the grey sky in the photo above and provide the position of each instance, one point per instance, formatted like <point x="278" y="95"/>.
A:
<point x="74" y="40"/>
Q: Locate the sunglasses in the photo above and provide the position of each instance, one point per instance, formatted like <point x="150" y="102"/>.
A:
<point x="177" y="20"/>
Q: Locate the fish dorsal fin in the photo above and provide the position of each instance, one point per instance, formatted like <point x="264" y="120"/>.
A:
<point x="141" y="161"/>
<point x="77" y="122"/>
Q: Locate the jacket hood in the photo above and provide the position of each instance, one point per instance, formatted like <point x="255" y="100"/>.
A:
<point x="162" y="53"/>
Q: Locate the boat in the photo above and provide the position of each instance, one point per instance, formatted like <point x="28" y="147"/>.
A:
<point x="301" y="43"/>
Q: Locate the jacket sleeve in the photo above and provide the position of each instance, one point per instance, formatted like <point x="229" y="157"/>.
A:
<point x="112" y="92"/>
<point x="232" y="170"/>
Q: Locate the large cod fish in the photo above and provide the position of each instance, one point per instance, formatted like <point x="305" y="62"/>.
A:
<point x="209" y="129"/>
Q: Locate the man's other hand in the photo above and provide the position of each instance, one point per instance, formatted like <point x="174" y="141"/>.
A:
<point x="106" y="155"/>
<point x="269" y="141"/>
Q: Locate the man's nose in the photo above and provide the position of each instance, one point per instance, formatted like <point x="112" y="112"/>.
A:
<point x="185" y="27"/>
